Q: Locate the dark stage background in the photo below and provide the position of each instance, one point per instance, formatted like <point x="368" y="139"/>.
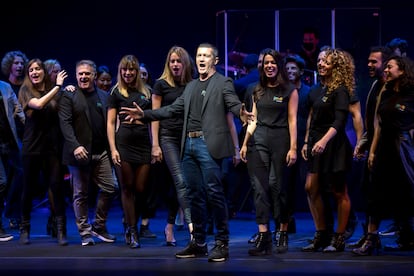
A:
<point x="104" y="31"/>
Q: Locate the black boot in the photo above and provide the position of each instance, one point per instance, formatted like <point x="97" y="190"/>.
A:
<point x="24" y="233"/>
<point x="134" y="241"/>
<point x="51" y="227"/>
<point x="372" y="243"/>
<point x="263" y="245"/>
<point x="337" y="243"/>
<point x="361" y="240"/>
<point x="145" y="232"/>
<point x="321" y="239"/>
<point x="282" y="242"/>
<point x="253" y="238"/>
<point x="61" y="230"/>
<point x="127" y="235"/>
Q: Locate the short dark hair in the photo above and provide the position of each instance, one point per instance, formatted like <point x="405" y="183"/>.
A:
<point x="385" y="51"/>
<point x="300" y="62"/>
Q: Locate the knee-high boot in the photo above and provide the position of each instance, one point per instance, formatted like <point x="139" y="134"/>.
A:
<point x="61" y="230"/>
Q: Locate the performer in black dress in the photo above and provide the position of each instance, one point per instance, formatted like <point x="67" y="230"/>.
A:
<point x="327" y="147"/>
<point x="391" y="158"/>
<point x="130" y="144"/>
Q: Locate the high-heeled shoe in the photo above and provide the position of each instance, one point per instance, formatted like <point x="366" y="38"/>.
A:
<point x="169" y="237"/>
<point x="263" y="245"/>
<point x="321" y="239"/>
<point x="337" y="244"/>
<point x="127" y="235"/>
<point x="372" y="243"/>
<point x="134" y="243"/>
<point x="282" y="242"/>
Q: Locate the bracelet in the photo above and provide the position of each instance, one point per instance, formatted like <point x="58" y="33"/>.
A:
<point x="58" y="85"/>
<point x="306" y="142"/>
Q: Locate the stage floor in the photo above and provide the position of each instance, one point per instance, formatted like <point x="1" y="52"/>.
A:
<point x="44" y="257"/>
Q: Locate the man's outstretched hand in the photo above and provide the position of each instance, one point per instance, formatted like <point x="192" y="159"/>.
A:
<point x="132" y="113"/>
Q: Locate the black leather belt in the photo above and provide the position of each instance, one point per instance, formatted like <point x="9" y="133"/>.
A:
<point x="194" y="134"/>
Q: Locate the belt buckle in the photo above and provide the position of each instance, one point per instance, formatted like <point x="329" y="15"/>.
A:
<point x="195" y="134"/>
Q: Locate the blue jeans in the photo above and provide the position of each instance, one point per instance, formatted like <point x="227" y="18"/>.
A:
<point x="171" y="151"/>
<point x="203" y="177"/>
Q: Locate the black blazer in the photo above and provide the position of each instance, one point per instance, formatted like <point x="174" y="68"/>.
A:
<point x="76" y="124"/>
<point x="219" y="99"/>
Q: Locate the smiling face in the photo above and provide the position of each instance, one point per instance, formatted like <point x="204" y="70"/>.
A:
<point x="36" y="74"/>
<point x="270" y="67"/>
<point x="104" y="81"/>
<point x="324" y="64"/>
<point x="85" y="75"/>
<point x="293" y="71"/>
<point x="392" y="70"/>
<point x="375" y="69"/>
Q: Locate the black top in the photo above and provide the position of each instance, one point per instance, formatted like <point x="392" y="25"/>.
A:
<point x="197" y="97"/>
<point x="99" y="124"/>
<point x="42" y="131"/>
<point x="169" y="94"/>
<point x="272" y="107"/>
<point x="329" y="110"/>
<point x="132" y="140"/>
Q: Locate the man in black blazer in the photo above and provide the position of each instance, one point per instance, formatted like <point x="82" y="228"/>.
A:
<point x="205" y="142"/>
<point x="82" y="116"/>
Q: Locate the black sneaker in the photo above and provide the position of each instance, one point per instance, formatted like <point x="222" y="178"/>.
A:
<point x="87" y="240"/>
<point x="219" y="253"/>
<point x="192" y="250"/>
<point x="4" y="236"/>
<point x="102" y="234"/>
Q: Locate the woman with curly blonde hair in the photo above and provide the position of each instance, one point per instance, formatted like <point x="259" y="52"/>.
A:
<point x="327" y="148"/>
